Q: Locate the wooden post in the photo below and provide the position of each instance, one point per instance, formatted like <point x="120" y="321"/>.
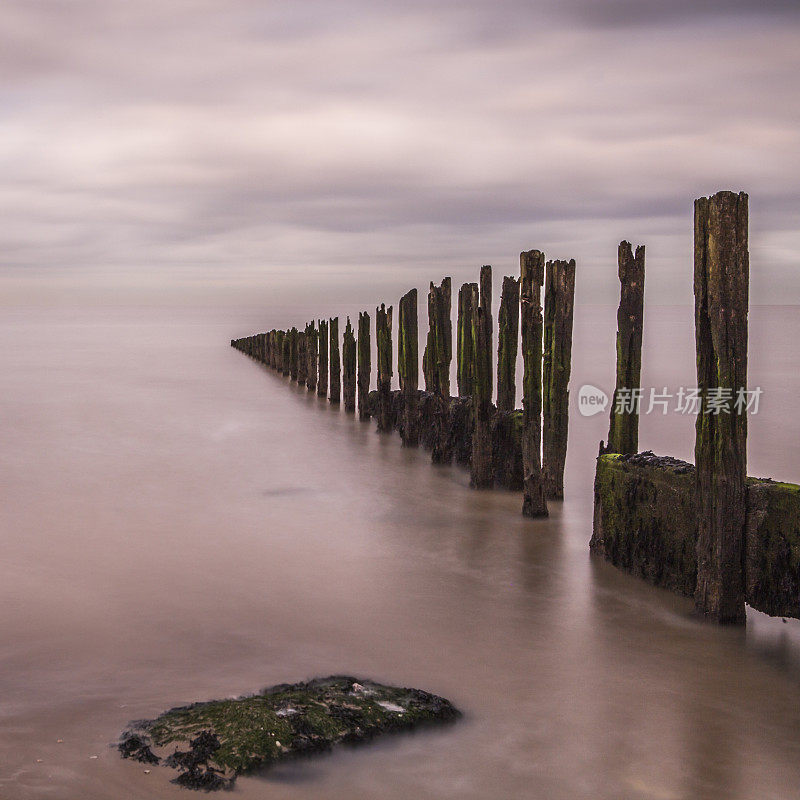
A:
<point x="439" y="347"/>
<point x="408" y="367"/>
<point x="623" y="431"/>
<point x="507" y="345"/>
<point x="531" y="265"/>
<point x="721" y="288"/>
<point x="467" y="309"/>
<point x="364" y="365"/>
<point x="383" y="335"/>
<point x="482" y="473"/>
<point x="322" y="356"/>
<point x="349" y="368"/>
<point x="286" y="351"/>
<point x="302" y="357"/>
<point x="558" y="306"/>
<point x="268" y="348"/>
<point x="311" y="356"/>
<point x="335" y="365"/>
<point x="294" y="354"/>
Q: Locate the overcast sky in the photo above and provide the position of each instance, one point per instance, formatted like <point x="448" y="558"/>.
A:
<point x="223" y="150"/>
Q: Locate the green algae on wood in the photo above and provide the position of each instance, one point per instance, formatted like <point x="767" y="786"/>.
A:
<point x="507" y="344"/>
<point x="364" y="364"/>
<point x="335" y="366"/>
<point x="349" y="368"/>
<point x="721" y="288"/>
<point x="481" y="467"/>
<point x="322" y="358"/>
<point x="623" y="432"/>
<point x="531" y="262"/>
<point x="408" y="367"/>
<point x="211" y="743"/>
<point x="556" y="367"/>
<point x="383" y="337"/>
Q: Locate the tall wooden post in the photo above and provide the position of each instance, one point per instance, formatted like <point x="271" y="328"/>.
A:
<point x="302" y="357"/>
<point x="349" y="368"/>
<point x="531" y="265"/>
<point x="439" y="347"/>
<point x="558" y="307"/>
<point x="335" y="366"/>
<point x="294" y="355"/>
<point x="286" y="351"/>
<point x="311" y="356"/>
<point x="364" y="364"/>
<point x="408" y="367"/>
<point x="721" y="289"/>
<point x="467" y="310"/>
<point x="322" y="357"/>
<point x="481" y="470"/>
<point x="436" y="366"/>
<point x="623" y="431"/>
<point x="507" y="344"/>
<point x="268" y="349"/>
<point x="383" y="336"/>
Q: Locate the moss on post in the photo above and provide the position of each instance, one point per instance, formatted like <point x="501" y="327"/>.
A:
<point x="467" y="310"/>
<point x="507" y="344"/>
<point x="721" y="289"/>
<point x="558" y="307"/>
<point x="349" y="368"/>
<point x="334" y="395"/>
<point x="364" y="364"/>
<point x="531" y="265"/>
<point x="285" y="344"/>
<point x="408" y="367"/>
<point x="623" y="432"/>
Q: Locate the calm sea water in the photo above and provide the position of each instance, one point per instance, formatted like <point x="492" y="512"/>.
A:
<point x="180" y="524"/>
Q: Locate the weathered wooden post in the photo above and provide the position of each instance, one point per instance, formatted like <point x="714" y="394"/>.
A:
<point x="278" y="362"/>
<point x="623" y="431"/>
<point x="507" y="344"/>
<point x="268" y="348"/>
<point x="558" y="306"/>
<point x="408" y="367"/>
<point x="302" y="357"/>
<point x="436" y="366"/>
<point x="482" y="473"/>
<point x="364" y="365"/>
<point x="721" y="289"/>
<point x="349" y="368"/>
<point x="467" y="310"/>
<point x="383" y="336"/>
<point x="294" y="354"/>
<point x="311" y="356"/>
<point x="439" y="347"/>
<point x="287" y="352"/>
<point x="322" y="356"/>
<point x="531" y="265"/>
<point x="335" y="365"/>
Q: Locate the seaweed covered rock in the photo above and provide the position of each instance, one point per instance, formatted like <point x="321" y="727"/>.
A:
<point x="210" y="743"/>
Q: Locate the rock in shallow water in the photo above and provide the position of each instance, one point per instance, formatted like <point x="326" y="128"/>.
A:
<point x="211" y="743"/>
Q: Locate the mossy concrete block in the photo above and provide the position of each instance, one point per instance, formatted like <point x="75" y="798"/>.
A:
<point x="646" y="523"/>
<point x="211" y="743"/>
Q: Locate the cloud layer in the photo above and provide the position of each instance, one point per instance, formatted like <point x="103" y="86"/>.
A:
<point x="228" y="147"/>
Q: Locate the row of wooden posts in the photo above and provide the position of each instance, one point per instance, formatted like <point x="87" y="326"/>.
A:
<point x="311" y="356"/>
<point x="539" y="430"/>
